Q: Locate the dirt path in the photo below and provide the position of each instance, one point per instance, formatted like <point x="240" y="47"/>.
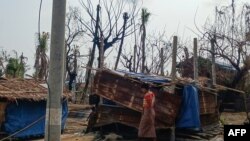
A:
<point x="233" y="118"/>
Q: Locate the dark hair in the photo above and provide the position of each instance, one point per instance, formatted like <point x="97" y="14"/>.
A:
<point x="145" y="86"/>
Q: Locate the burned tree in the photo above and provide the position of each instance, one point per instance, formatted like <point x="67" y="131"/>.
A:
<point x="74" y="32"/>
<point x="228" y="36"/>
<point x="106" y="20"/>
<point x="125" y="19"/>
<point x="159" y="50"/>
<point x="105" y="28"/>
<point x="155" y="62"/>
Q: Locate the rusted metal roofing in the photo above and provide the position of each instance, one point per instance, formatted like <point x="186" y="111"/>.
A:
<point x="125" y="89"/>
<point x="24" y="89"/>
<point x="127" y="92"/>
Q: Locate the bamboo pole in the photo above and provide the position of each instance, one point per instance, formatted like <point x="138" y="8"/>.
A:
<point x="162" y="62"/>
<point x="195" y="64"/>
<point x="174" y="54"/>
<point x="213" y="62"/>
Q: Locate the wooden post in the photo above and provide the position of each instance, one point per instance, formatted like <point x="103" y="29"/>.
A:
<point x="101" y="52"/>
<point x="75" y="59"/>
<point x="213" y="62"/>
<point x="162" y="62"/>
<point x="135" y="52"/>
<point x="195" y="63"/>
<point x="173" y="76"/>
<point x="56" y="69"/>
<point x="174" y="54"/>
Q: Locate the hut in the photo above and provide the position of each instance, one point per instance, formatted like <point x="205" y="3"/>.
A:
<point x="180" y="104"/>
<point x="23" y="107"/>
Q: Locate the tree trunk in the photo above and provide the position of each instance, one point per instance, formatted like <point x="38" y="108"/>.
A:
<point x="195" y="61"/>
<point x="72" y="75"/>
<point x="125" y="18"/>
<point x="36" y="65"/>
<point x="143" y="38"/>
<point x="101" y="52"/>
<point x="92" y="57"/>
<point x="213" y="61"/>
<point x="162" y="62"/>
<point x="134" y="64"/>
<point x="174" y="55"/>
<point x="240" y="74"/>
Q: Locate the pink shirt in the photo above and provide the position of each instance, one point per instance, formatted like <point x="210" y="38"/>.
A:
<point x="148" y="100"/>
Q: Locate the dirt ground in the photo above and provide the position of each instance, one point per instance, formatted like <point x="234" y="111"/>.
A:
<point x="232" y="118"/>
<point x="77" y="122"/>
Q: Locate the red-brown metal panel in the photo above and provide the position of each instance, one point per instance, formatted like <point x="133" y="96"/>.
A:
<point x="127" y="92"/>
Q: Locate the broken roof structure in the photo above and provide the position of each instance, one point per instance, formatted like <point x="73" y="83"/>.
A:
<point x="124" y="88"/>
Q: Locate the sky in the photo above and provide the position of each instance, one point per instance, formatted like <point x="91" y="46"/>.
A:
<point x="19" y="20"/>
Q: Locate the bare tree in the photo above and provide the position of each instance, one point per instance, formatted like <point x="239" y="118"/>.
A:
<point x="228" y="35"/>
<point x="127" y="62"/>
<point x="110" y="21"/>
<point x="74" y="32"/>
<point x="105" y="22"/>
<point x="153" y="45"/>
<point x="153" y="49"/>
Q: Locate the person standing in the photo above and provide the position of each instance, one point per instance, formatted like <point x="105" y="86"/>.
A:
<point x="146" y="131"/>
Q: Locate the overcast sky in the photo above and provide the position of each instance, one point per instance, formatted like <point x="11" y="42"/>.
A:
<point x="19" y="20"/>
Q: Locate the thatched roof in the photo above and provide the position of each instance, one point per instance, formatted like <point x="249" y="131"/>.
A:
<point x="24" y="89"/>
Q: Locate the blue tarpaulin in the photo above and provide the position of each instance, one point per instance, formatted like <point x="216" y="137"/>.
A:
<point x="23" y="113"/>
<point x="145" y="77"/>
<point x="189" y="116"/>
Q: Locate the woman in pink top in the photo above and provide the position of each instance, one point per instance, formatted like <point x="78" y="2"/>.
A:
<point x="147" y="124"/>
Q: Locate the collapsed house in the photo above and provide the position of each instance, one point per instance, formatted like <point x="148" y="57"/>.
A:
<point x="180" y="104"/>
<point x="23" y="107"/>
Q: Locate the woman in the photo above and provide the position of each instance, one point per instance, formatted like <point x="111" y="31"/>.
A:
<point x="147" y="124"/>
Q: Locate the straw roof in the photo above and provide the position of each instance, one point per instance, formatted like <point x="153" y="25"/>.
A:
<point x="24" y="89"/>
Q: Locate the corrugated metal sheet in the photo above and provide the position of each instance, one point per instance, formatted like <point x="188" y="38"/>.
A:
<point x="127" y="92"/>
<point x="110" y="114"/>
<point x="125" y="89"/>
<point x="207" y="103"/>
